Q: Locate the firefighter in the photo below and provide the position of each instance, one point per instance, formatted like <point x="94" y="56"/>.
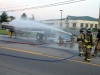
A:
<point x="39" y="36"/>
<point x="72" y="39"/>
<point x="80" y="40"/>
<point x="97" y="48"/>
<point x="9" y="32"/>
<point x="88" y="42"/>
<point x="61" y="40"/>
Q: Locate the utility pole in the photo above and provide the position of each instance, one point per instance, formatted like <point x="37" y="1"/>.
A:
<point x="61" y="19"/>
<point x="99" y="18"/>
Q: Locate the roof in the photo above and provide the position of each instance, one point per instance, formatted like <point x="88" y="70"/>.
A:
<point x="54" y="19"/>
<point x="88" y="18"/>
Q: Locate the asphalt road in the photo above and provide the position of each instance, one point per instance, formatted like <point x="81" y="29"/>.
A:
<point x="19" y="66"/>
<point x="23" y="59"/>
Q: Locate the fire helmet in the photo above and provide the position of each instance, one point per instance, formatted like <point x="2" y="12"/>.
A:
<point x="89" y="30"/>
<point x="81" y="30"/>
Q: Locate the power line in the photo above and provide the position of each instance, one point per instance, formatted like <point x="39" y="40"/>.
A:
<point x="44" y="6"/>
<point x="19" y="3"/>
<point x="25" y="4"/>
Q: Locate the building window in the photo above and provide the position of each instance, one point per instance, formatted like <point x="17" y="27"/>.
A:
<point x="67" y="25"/>
<point x="52" y="23"/>
<point x="56" y="23"/>
<point x="86" y="25"/>
<point x="91" y="26"/>
<point x="67" y="19"/>
<point x="74" y="25"/>
<point x="60" y="25"/>
<point x="96" y="25"/>
<point x="81" y="25"/>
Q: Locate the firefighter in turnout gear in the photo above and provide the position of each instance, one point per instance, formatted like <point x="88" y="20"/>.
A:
<point x="9" y="32"/>
<point x="97" y="48"/>
<point x="80" y="40"/>
<point x="88" y="42"/>
<point x="61" y="40"/>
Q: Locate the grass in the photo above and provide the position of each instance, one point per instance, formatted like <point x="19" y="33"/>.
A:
<point x="29" y="35"/>
<point x="94" y="30"/>
<point x="3" y="32"/>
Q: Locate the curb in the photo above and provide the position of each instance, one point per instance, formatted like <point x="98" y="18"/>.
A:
<point x="23" y="43"/>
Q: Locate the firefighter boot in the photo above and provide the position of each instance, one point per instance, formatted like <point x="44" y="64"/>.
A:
<point x="94" y="55"/>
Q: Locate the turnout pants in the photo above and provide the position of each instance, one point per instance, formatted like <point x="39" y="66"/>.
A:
<point x="88" y="54"/>
<point x="80" y="47"/>
<point x="97" y="48"/>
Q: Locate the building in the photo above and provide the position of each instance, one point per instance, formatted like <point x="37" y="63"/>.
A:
<point x="73" y="22"/>
<point x="56" y="22"/>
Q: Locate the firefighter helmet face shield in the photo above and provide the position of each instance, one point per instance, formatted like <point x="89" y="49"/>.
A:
<point x="89" y="30"/>
<point x="81" y="30"/>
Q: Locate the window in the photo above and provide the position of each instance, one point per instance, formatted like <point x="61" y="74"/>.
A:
<point x="96" y="25"/>
<point x="86" y="25"/>
<point x="67" y="19"/>
<point x="74" y="24"/>
<point x="91" y="26"/>
<point x="52" y="23"/>
<point x="67" y="25"/>
<point x="60" y="25"/>
<point x="81" y="25"/>
<point x="56" y="23"/>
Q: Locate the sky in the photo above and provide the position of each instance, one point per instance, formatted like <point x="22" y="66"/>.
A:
<point x="82" y="8"/>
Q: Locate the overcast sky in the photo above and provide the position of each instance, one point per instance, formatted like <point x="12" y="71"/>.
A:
<point x="82" y="8"/>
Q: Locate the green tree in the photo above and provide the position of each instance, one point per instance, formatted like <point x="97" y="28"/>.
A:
<point x="12" y="17"/>
<point x="0" y="18"/>
<point x="4" y="17"/>
<point x="23" y="16"/>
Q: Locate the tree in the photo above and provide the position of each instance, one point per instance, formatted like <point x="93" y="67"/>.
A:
<point x="4" y="17"/>
<point x="12" y="17"/>
<point x="23" y="16"/>
<point x="32" y="17"/>
<point x="0" y="19"/>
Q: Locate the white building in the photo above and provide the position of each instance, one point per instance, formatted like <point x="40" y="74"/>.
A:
<point x="74" y="22"/>
<point x="56" y="22"/>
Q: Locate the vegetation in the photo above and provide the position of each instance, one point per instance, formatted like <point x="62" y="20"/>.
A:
<point x="93" y="30"/>
<point x="3" y="32"/>
<point x="12" y="17"/>
<point x="32" y="17"/>
<point x="24" y="16"/>
<point x="3" y="17"/>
